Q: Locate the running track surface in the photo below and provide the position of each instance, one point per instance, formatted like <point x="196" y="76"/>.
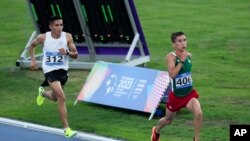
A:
<point x="12" y="130"/>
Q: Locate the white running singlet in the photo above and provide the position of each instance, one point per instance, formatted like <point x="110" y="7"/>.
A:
<point x="52" y="59"/>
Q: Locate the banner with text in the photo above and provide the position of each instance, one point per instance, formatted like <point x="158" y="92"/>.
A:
<point x="124" y="86"/>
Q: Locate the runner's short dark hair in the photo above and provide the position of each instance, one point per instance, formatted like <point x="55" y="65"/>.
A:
<point x="54" y="18"/>
<point x="176" y="34"/>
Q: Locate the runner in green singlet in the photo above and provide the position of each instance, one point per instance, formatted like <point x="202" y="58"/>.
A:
<point x="183" y="95"/>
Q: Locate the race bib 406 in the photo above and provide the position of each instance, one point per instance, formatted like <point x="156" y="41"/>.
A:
<point x="183" y="80"/>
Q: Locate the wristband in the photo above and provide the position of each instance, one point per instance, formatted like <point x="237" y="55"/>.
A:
<point x="67" y="52"/>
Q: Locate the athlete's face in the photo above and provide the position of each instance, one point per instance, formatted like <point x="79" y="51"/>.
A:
<point x="180" y="43"/>
<point x="56" y="27"/>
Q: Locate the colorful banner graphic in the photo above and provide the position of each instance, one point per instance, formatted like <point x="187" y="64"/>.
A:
<point x="124" y="86"/>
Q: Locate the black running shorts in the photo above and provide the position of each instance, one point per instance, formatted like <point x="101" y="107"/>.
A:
<point x="56" y="75"/>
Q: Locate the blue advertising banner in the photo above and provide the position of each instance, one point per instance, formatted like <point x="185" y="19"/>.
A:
<point x="124" y="86"/>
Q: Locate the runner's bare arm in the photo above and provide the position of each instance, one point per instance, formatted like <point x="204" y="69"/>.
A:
<point x="72" y="48"/>
<point x="38" y="40"/>
<point x="172" y="69"/>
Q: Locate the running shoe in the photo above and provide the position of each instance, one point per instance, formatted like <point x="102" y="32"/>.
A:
<point x="154" y="136"/>
<point x="40" y="98"/>
<point x="69" y="133"/>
